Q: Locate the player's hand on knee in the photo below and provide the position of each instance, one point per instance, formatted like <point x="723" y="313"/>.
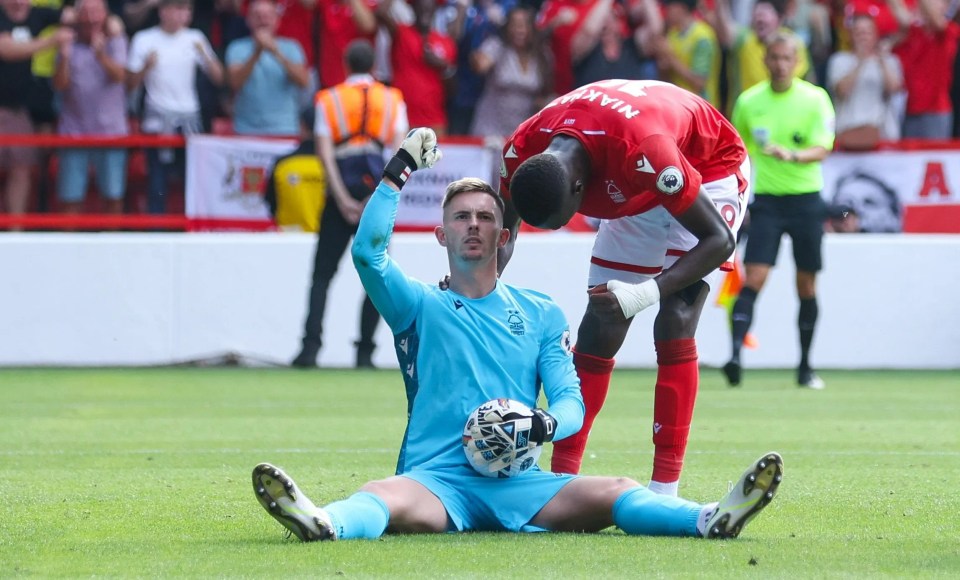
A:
<point x="604" y="304"/>
<point x="618" y="300"/>
<point x="417" y="151"/>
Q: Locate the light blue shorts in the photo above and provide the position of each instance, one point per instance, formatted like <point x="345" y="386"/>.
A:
<point x="109" y="165"/>
<point x="485" y="504"/>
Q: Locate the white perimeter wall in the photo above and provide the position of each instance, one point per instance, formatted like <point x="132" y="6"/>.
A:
<point x="144" y="299"/>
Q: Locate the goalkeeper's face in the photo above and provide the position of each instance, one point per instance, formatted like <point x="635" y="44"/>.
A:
<point x="472" y="227"/>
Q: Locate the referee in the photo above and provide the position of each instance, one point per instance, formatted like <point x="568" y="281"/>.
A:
<point x="787" y="125"/>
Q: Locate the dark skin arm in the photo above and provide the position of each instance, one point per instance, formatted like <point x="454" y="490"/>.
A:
<point x="715" y="244"/>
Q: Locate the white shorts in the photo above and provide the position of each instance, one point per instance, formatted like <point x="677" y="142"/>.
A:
<point x="637" y="248"/>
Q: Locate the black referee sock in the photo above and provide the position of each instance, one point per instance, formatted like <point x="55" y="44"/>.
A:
<point x="806" y="322"/>
<point x="742" y="318"/>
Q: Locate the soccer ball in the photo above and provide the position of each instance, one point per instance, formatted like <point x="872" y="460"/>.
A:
<point x="496" y="448"/>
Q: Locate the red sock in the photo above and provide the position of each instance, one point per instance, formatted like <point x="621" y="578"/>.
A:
<point x="674" y="397"/>
<point x="594" y="373"/>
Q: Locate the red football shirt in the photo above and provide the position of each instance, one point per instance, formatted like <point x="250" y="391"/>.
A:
<point x="561" y="37"/>
<point x="927" y="60"/>
<point x="421" y="85"/>
<point x="337" y="29"/>
<point x="296" y="22"/>
<point x="650" y="144"/>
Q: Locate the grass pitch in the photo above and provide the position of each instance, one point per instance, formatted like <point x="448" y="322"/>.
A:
<point x="133" y="473"/>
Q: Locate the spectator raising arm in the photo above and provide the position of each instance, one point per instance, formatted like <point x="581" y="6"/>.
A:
<point x="363" y="17"/>
<point x="588" y="35"/>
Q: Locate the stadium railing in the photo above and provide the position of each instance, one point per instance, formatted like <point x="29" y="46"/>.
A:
<point x="922" y="211"/>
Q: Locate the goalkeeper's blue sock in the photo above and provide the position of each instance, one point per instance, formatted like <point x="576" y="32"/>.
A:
<point x="642" y="512"/>
<point x="362" y="515"/>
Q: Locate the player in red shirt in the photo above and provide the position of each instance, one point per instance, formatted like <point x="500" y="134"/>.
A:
<point x="424" y="64"/>
<point x="342" y="22"/>
<point x="667" y="173"/>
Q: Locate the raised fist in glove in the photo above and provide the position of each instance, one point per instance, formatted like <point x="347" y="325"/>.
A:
<point x="418" y="150"/>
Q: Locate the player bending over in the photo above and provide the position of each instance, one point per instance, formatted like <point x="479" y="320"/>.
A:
<point x="458" y="348"/>
<point x="667" y="173"/>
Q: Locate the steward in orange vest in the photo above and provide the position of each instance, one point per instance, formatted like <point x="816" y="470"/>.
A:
<point x="355" y="120"/>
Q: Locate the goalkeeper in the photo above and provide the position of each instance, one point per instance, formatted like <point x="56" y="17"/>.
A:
<point x="459" y="347"/>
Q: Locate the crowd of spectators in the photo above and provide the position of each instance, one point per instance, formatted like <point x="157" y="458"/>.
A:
<point x="466" y="67"/>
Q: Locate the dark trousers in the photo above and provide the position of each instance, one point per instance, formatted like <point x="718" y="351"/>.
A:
<point x="332" y="241"/>
<point x="162" y="166"/>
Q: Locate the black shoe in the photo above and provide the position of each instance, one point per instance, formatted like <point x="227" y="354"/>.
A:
<point x="307" y="359"/>
<point x="733" y="372"/>
<point x="365" y="355"/>
<point x="807" y="379"/>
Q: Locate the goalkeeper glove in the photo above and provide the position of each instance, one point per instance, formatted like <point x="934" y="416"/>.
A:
<point x="542" y="425"/>
<point x="418" y="150"/>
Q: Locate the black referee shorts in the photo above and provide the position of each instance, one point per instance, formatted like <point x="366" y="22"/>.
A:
<point x="800" y="216"/>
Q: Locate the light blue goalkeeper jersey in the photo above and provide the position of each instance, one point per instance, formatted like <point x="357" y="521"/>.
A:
<point x="456" y="353"/>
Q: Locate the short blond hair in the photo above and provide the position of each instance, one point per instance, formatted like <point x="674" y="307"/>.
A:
<point x="784" y="38"/>
<point x="469" y="185"/>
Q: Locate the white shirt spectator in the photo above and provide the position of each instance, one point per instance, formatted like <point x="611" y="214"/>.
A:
<point x="170" y="84"/>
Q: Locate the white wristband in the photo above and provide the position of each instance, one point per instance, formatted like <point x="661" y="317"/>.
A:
<point x="634" y="297"/>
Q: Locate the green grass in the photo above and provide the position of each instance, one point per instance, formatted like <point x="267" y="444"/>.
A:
<point x="147" y="473"/>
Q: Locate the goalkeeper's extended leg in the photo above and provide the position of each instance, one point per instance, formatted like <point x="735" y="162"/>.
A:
<point x="754" y="491"/>
<point x="594" y="373"/>
<point x="362" y="515"/>
<point x="640" y="511"/>
<point x="280" y="496"/>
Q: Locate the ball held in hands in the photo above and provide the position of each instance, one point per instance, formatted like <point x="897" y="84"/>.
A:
<point x="503" y="437"/>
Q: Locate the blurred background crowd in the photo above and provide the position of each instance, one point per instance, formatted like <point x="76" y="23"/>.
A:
<point x="465" y="67"/>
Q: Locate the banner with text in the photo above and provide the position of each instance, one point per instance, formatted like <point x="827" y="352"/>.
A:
<point x="226" y="179"/>
<point x="226" y="176"/>
<point x="880" y="186"/>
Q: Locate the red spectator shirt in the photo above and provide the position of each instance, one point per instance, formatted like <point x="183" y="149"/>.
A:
<point x="927" y="60"/>
<point x="561" y="38"/>
<point x="650" y="144"/>
<point x="421" y="85"/>
<point x="296" y="22"/>
<point x="337" y="29"/>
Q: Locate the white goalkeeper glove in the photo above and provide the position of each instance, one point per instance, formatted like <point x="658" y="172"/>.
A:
<point x="634" y="298"/>
<point x="418" y="150"/>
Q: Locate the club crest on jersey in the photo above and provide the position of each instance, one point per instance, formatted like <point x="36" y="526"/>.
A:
<point x="515" y="323"/>
<point x="565" y="343"/>
<point x="670" y="180"/>
<point x="616" y="195"/>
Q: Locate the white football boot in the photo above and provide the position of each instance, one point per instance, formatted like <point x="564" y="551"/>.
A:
<point x="283" y="500"/>
<point x="748" y="496"/>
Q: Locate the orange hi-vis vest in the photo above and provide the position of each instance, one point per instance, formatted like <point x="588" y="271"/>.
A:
<point x="361" y="115"/>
